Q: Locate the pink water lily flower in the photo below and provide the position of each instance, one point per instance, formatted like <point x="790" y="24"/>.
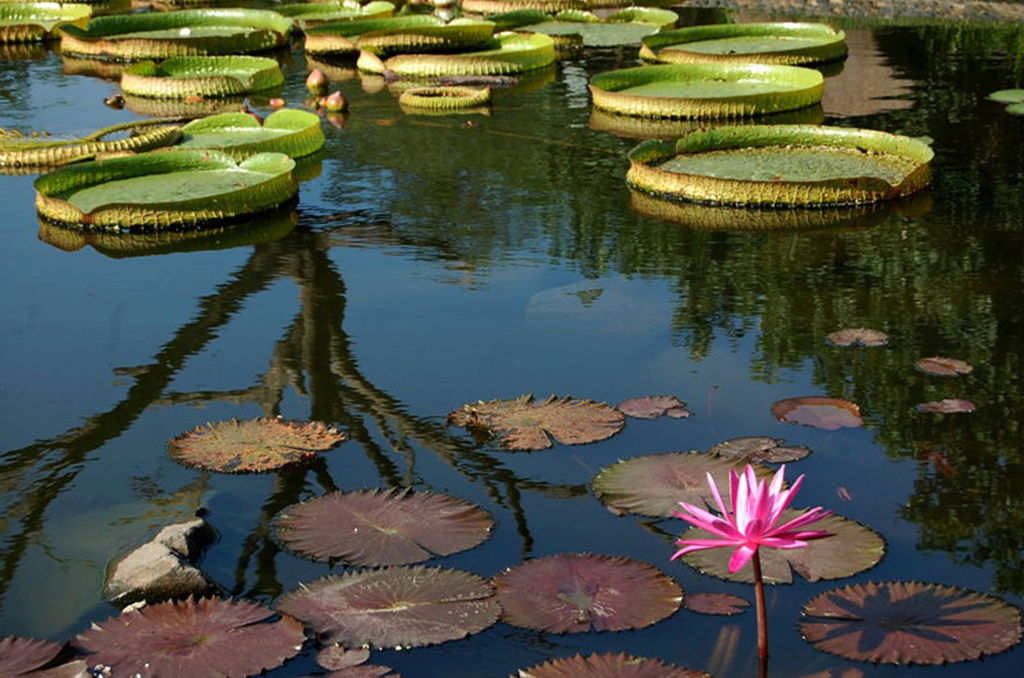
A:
<point x="757" y="506"/>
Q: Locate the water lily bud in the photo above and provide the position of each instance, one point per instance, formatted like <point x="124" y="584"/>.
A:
<point x="335" y="102"/>
<point x="316" y="83"/>
<point x="277" y="102"/>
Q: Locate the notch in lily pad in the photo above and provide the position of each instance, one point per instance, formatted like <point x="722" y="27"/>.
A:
<point x="252" y="445"/>
<point x="825" y="413"/>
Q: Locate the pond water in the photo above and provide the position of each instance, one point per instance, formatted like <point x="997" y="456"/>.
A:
<point x="440" y="260"/>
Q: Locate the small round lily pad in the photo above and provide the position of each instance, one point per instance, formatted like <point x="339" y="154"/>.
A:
<point x="652" y="407"/>
<point x="1008" y="96"/>
<point x="947" y="406"/>
<point x="335" y="657"/>
<point x="858" y="336"/>
<point x="827" y="413"/>
<point x="907" y="622"/>
<point x="252" y="445"/>
<point x="445" y="98"/>
<point x="943" y="367"/>
<point x="572" y="593"/>
<point x="759" y="449"/>
<point x="715" y="603"/>
<point x="607" y="666"/>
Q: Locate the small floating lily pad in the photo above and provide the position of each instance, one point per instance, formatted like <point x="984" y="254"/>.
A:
<point x="380" y="527"/>
<point x="505" y="54"/>
<point x="290" y="131"/>
<point x="715" y="603"/>
<point x="409" y="34"/>
<point x="522" y="424"/>
<point x="706" y="90"/>
<point x="827" y="413"/>
<point x="654" y="484"/>
<point x="852" y="548"/>
<point x="204" y="638"/>
<point x="336" y="657"/>
<point x="625" y="27"/>
<point x="172" y="189"/>
<point x="205" y="76"/>
<point x="759" y="449"/>
<point x="858" y="336"/>
<point x="766" y="43"/>
<point x="35" y="21"/>
<point x="188" y="32"/>
<point x="782" y="166"/>
<point x="947" y="406"/>
<point x="944" y="367"/>
<point x="445" y="98"/>
<point x="402" y="606"/>
<point x="905" y="622"/>
<point x="252" y="445"/>
<point x="652" y="407"/>
<point x="1008" y="96"/>
<point x="572" y="593"/>
<point x="607" y="666"/>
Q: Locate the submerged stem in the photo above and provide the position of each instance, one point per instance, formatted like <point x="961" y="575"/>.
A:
<point x="762" y="617"/>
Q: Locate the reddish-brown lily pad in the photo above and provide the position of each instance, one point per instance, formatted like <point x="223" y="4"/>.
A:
<point x="364" y="671"/>
<point x="827" y="413"/>
<point x="943" y="367"/>
<point x="336" y="657"/>
<point x="522" y="424"/>
<point x="253" y="445"/>
<point x="400" y="606"/>
<point x="654" y="484"/>
<point x="947" y="406"/>
<point x="204" y="638"/>
<point x="572" y="593"/>
<point x="652" y="407"/>
<point x="852" y="548"/>
<point x="27" y="657"/>
<point x="904" y="622"/>
<point x="715" y="603"/>
<point x="759" y="448"/>
<point x="607" y="666"/>
<point x="858" y="336"/>
<point x="382" y="527"/>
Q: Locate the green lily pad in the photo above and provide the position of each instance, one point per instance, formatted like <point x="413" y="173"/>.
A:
<point x="782" y="166"/>
<point x="316" y="13"/>
<point x="410" y="34"/>
<point x="504" y="6"/>
<point x="1008" y="96"/>
<point x="188" y="32"/>
<point x="445" y="98"/>
<point x="1015" y="109"/>
<point x="906" y="622"/>
<point x="171" y="189"/>
<point x="41" y="151"/>
<point x="290" y="131"/>
<point x="505" y="54"/>
<point x="607" y="666"/>
<point x="206" y="76"/>
<point x="766" y="43"/>
<point x="706" y="90"/>
<point x="852" y="548"/>
<point x="625" y="27"/>
<point x="35" y="21"/>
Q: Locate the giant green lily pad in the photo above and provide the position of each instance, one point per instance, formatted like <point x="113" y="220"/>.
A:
<point x="505" y="54"/>
<point x="412" y="34"/>
<point x="782" y="166"/>
<point x="766" y="43"/>
<point x="503" y="6"/>
<point x="706" y="90"/>
<point x="205" y="76"/>
<point x="251" y="445"/>
<point x="205" y="638"/>
<point x="624" y="27"/>
<point x="522" y="424"/>
<point x="172" y="189"/>
<point x="402" y="606"/>
<point x="34" y="21"/>
<point x="607" y="666"/>
<point x="39" y="151"/>
<point x="906" y="622"/>
<point x="380" y="527"/>
<point x="572" y="593"/>
<point x="852" y="548"/>
<point x="188" y="32"/>
<point x="309" y="14"/>
<point x="654" y="484"/>
<point x="293" y="132"/>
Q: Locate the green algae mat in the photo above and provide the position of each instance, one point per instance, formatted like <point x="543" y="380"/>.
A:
<point x="170" y="189"/>
<point x="36" y="21"/>
<point x="625" y="27"/>
<point x="782" y="166"/>
<point x="290" y="131"/>
<point x="207" y="76"/>
<point x="710" y="90"/>
<point x="767" y="43"/>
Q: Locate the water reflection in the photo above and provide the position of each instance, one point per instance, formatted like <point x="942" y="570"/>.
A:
<point x="657" y="128"/>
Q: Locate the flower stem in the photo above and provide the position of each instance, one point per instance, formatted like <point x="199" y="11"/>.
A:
<point x="762" y="617"/>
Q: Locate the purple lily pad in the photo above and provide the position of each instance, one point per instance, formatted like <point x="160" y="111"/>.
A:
<point x="759" y="448"/>
<point x="652" y="407"/>
<point x="827" y="413"/>
<point x="572" y="593"/>
<point x="904" y="622"/>
<point x="400" y="606"/>
<point x="654" y="484"/>
<point x="943" y="367"/>
<point x="27" y="657"/>
<point x="337" y="657"/>
<point x="204" y="638"/>
<point x="858" y="336"/>
<point x="853" y="548"/>
<point x="947" y="406"/>
<point x="364" y="671"/>
<point x="715" y="603"/>
<point x="521" y="424"/>
<point x="382" y="527"/>
<point x="607" y="666"/>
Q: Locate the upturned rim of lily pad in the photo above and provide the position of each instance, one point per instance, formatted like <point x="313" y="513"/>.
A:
<point x="406" y="34"/>
<point x="37" y="21"/>
<point x="29" y="154"/>
<point x="295" y="133"/>
<point x="507" y="53"/>
<point x="669" y="46"/>
<point x="205" y="76"/>
<point x="445" y="98"/>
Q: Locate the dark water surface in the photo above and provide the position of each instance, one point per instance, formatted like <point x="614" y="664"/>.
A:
<point x="436" y="263"/>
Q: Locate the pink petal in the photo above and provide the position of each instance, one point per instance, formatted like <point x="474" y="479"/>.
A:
<point x="741" y="557"/>
<point x="810" y="516"/>
<point x="718" y="497"/>
<point x="710" y="544"/>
